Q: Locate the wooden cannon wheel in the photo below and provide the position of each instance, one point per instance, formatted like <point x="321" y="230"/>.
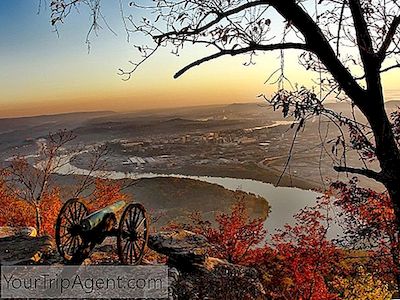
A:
<point x="68" y="238"/>
<point x="133" y="234"/>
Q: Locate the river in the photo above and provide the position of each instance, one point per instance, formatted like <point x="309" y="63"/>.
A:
<point x="284" y="201"/>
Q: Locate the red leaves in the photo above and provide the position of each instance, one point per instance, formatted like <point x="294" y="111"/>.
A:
<point x="365" y="206"/>
<point x="235" y="238"/>
<point x="370" y="225"/>
<point x="359" y="141"/>
<point x="307" y="257"/>
<point x="297" y="264"/>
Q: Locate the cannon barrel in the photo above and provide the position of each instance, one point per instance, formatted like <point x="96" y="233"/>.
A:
<point x="96" y="217"/>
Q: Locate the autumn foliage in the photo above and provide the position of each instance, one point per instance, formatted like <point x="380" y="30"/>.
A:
<point x="363" y="285"/>
<point x="296" y="262"/>
<point x="50" y="206"/>
<point x="14" y="212"/>
<point x="235" y="238"/>
<point x="307" y="257"/>
<point x="105" y="193"/>
<point x="18" y="212"/>
<point x="369" y="224"/>
<point x="299" y="261"/>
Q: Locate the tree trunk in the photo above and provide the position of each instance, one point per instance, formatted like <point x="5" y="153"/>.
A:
<point x="38" y="219"/>
<point x="388" y="155"/>
<point x="386" y="151"/>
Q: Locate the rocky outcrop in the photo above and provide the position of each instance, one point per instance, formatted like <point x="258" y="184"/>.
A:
<point x="7" y="231"/>
<point x="194" y="275"/>
<point x="183" y="248"/>
<point x="20" y="246"/>
<point x="222" y="281"/>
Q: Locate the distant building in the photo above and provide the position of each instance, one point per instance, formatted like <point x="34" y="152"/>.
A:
<point x="186" y="139"/>
<point x="247" y="140"/>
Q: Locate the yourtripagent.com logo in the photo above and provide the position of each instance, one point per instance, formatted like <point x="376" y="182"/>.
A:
<point x="84" y="282"/>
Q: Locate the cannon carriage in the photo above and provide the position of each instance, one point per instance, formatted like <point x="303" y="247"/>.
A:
<point x="78" y="232"/>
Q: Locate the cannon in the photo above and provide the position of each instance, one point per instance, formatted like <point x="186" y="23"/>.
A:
<point x="78" y="232"/>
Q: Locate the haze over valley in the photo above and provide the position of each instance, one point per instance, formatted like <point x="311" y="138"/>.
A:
<point x="222" y="144"/>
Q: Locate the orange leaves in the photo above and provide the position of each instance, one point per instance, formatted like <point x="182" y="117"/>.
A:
<point x="14" y="212"/>
<point x="49" y="208"/>
<point x="105" y="193"/>
<point x="17" y="212"/>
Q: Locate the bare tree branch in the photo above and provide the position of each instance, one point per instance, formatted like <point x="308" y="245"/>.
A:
<point x="234" y="52"/>
<point x="389" y="38"/>
<point x="220" y="16"/>
<point x="366" y="172"/>
<point x="364" y="40"/>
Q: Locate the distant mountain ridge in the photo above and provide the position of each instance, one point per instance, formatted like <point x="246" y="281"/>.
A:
<point x="97" y="125"/>
<point x="7" y="124"/>
<point x="14" y="131"/>
<point x="233" y="107"/>
<point x="59" y="115"/>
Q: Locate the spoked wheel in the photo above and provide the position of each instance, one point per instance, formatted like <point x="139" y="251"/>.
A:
<point x="133" y="233"/>
<point x="68" y="228"/>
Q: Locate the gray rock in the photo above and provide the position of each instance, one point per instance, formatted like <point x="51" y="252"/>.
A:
<point x="194" y="275"/>
<point x="217" y="279"/>
<point x="173" y="274"/>
<point x="7" y="231"/>
<point x="183" y="248"/>
<point x="28" y="231"/>
<point x="19" y="250"/>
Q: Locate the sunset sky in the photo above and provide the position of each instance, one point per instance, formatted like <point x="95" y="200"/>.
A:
<point x="42" y="73"/>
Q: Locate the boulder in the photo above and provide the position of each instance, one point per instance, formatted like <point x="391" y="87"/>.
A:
<point x="20" y="250"/>
<point x="28" y="231"/>
<point x="183" y="248"/>
<point x="194" y="275"/>
<point x="216" y="279"/>
<point x="7" y="231"/>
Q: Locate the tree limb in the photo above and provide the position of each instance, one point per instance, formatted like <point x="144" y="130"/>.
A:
<point x="389" y="38"/>
<point x="233" y="52"/>
<point x="378" y="176"/>
<point x="387" y="69"/>
<point x="364" y="39"/>
<point x="220" y="17"/>
<point x="317" y="41"/>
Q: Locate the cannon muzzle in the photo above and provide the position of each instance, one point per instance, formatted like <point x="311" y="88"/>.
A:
<point x="94" y="219"/>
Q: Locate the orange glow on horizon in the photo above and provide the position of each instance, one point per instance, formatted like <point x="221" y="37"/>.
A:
<point x="87" y="86"/>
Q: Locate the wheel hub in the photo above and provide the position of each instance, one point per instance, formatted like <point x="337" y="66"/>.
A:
<point x="133" y="236"/>
<point x="75" y="230"/>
